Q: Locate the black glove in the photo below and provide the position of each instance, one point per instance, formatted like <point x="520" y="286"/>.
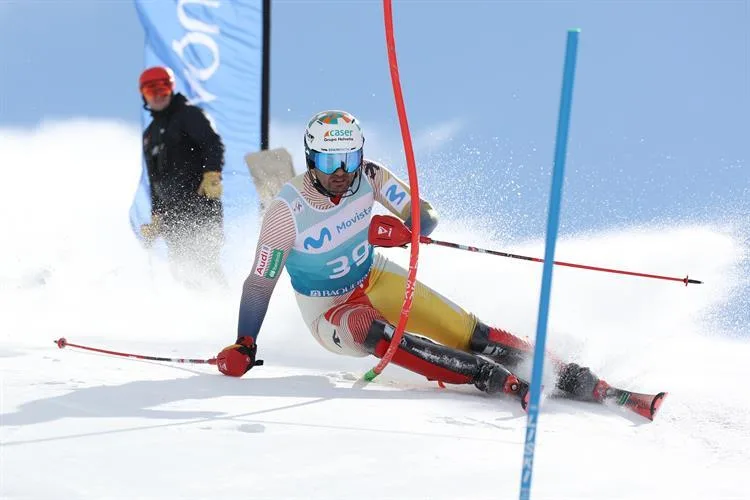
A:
<point x="237" y="359"/>
<point x="578" y="381"/>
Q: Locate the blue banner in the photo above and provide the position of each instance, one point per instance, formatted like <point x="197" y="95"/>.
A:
<point x="215" y="48"/>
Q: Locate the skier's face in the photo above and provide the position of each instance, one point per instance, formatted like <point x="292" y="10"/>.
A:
<point x="338" y="182"/>
<point x="158" y="102"/>
<point x="158" y="94"/>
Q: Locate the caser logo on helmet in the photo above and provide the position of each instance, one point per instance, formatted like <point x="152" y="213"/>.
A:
<point x="338" y="135"/>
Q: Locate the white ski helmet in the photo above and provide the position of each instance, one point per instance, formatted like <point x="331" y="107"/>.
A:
<point x="333" y="140"/>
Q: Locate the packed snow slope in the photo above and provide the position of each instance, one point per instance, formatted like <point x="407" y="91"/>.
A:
<point x="76" y="425"/>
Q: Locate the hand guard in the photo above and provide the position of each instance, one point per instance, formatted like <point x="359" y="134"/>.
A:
<point x="388" y="231"/>
<point x="237" y="359"/>
<point x="211" y="186"/>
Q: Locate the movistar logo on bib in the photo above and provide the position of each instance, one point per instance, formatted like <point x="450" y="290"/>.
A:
<point x="348" y="223"/>
<point x="331" y="254"/>
<point x="317" y="243"/>
<point x="338" y="228"/>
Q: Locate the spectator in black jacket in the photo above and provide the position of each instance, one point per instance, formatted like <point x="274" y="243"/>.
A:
<point x="184" y="157"/>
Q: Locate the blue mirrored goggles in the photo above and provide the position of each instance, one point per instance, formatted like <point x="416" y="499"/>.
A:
<point x="328" y="163"/>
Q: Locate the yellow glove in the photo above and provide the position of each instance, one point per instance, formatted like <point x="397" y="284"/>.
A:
<point x="151" y="231"/>
<point x="211" y="185"/>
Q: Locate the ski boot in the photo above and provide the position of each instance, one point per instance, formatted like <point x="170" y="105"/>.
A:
<point x="494" y="378"/>
<point x="578" y="382"/>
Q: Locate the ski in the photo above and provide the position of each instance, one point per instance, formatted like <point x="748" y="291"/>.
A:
<point x="646" y="405"/>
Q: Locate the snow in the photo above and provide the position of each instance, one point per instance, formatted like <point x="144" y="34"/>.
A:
<point x="77" y="425"/>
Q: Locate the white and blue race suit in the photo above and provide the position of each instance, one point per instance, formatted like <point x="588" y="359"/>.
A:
<point x="340" y="284"/>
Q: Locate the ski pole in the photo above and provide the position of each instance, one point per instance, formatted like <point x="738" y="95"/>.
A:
<point x="62" y="343"/>
<point x="388" y="231"/>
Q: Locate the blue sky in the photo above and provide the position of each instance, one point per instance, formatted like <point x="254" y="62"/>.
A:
<point x="659" y="127"/>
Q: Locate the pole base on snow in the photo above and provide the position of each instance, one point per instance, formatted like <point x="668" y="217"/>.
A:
<point x="370" y="376"/>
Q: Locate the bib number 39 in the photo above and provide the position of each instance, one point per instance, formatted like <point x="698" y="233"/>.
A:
<point x="342" y="265"/>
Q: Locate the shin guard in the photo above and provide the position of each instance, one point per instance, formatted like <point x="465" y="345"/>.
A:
<point x="438" y="362"/>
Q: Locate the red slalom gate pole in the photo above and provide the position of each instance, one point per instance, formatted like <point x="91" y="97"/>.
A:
<point x="413" y="187"/>
<point x="62" y="343"/>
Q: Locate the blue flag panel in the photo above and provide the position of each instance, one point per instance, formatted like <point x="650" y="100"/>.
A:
<point x="215" y="48"/>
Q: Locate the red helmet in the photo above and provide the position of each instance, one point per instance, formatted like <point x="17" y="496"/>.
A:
<point x="158" y="78"/>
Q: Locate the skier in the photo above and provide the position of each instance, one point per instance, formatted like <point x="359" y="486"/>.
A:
<point x="349" y="296"/>
<point x="184" y="159"/>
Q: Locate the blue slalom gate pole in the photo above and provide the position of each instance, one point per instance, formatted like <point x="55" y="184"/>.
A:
<point x="553" y="223"/>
